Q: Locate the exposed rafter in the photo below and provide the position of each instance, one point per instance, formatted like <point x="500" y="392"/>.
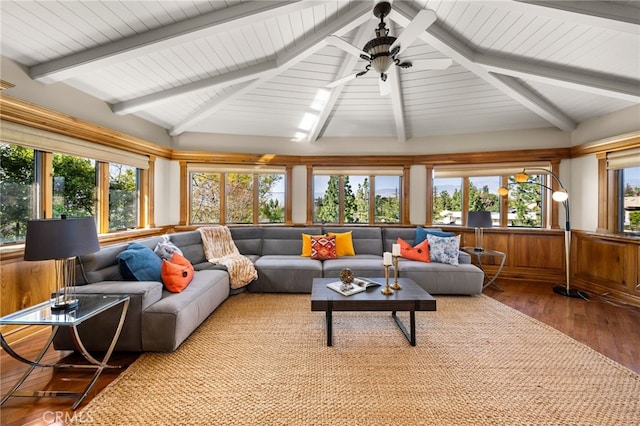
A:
<point x="347" y="67"/>
<point x="163" y="38"/>
<point x="396" y="104"/>
<point x="464" y="55"/>
<point x="601" y="14"/>
<point x="347" y="22"/>
<point x="569" y="77"/>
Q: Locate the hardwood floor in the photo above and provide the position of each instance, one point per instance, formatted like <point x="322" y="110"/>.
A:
<point x="608" y="327"/>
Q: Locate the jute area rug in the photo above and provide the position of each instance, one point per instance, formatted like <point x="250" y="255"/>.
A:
<point x="262" y="359"/>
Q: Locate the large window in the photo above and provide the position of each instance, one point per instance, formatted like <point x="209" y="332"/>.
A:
<point x="447" y="201"/>
<point x="356" y="198"/>
<point x="74" y="186"/>
<point x="38" y="184"/>
<point x="630" y="197"/>
<point x="483" y="196"/>
<point x="246" y="197"/>
<point x="525" y="203"/>
<point x="17" y="186"/>
<point x="123" y="197"/>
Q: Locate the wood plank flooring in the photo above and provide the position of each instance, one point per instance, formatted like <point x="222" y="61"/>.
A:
<point x="608" y="327"/>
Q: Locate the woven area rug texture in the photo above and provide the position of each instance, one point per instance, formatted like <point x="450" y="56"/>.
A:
<point x="262" y="359"/>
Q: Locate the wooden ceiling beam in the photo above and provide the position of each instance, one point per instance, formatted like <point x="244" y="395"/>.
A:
<point x="451" y="46"/>
<point x="164" y="37"/>
<point x="303" y="49"/>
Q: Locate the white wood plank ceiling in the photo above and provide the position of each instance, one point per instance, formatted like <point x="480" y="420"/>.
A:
<point x="262" y="67"/>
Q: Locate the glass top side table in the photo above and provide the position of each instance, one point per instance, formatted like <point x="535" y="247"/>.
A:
<point x="479" y="254"/>
<point x="89" y="306"/>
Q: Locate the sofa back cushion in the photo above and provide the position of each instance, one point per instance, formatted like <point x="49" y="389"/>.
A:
<point x="190" y="243"/>
<point x="390" y="236"/>
<point x="247" y="239"/>
<point x="103" y="265"/>
<point x="285" y="240"/>
<point x="365" y="240"/>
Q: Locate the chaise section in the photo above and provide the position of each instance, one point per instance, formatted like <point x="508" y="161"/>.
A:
<point x="167" y="323"/>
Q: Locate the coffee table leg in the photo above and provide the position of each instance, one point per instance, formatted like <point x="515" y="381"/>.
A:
<point x="329" y="323"/>
<point x="411" y="335"/>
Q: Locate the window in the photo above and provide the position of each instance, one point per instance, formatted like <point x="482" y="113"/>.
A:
<point x="359" y="197"/>
<point x="246" y="197"/>
<point x="525" y="202"/>
<point x="630" y="196"/>
<point x="205" y="198"/>
<point x="447" y="201"/>
<point x="74" y="186"/>
<point x="17" y="184"/>
<point x="40" y="184"/>
<point x="483" y="196"/>
<point x="123" y="197"/>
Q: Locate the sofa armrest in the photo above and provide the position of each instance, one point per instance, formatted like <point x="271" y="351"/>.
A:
<point x="464" y="258"/>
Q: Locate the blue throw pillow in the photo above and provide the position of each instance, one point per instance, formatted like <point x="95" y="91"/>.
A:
<point x="421" y="234"/>
<point x="140" y="263"/>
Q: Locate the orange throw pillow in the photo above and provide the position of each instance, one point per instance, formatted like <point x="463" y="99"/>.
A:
<point x="420" y="252"/>
<point x="177" y="274"/>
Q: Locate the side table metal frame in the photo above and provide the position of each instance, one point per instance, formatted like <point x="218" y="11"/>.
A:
<point x="99" y="366"/>
<point x="489" y="280"/>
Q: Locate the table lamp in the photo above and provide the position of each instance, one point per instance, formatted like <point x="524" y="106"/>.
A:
<point x="479" y="220"/>
<point x="61" y="240"/>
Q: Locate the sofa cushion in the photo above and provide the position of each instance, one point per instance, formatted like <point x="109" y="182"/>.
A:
<point x="139" y="262"/>
<point x="285" y="240"/>
<point x="419" y="252"/>
<point x="421" y="234"/>
<point x="177" y="273"/>
<point x="323" y="247"/>
<point x="444" y="249"/>
<point x="248" y="239"/>
<point x="344" y="243"/>
<point x="362" y="265"/>
<point x="366" y="240"/>
<point x="190" y="243"/>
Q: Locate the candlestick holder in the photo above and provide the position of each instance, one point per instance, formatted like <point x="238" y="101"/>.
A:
<point x="386" y="290"/>
<point x="396" y="285"/>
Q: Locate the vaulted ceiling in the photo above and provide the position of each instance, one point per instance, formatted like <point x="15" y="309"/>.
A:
<point x="262" y="67"/>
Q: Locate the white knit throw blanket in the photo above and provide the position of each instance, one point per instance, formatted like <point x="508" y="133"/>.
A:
<point x="219" y="248"/>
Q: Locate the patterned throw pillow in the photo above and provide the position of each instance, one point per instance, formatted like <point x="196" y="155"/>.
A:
<point x="323" y="247"/>
<point x="419" y="252"/>
<point x="166" y="248"/>
<point x="444" y="249"/>
<point x="306" y="244"/>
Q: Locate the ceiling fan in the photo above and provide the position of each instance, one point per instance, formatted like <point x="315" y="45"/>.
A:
<point x="383" y="51"/>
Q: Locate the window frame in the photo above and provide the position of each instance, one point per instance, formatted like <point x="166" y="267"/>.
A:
<point x="402" y="172"/>
<point x="223" y="170"/>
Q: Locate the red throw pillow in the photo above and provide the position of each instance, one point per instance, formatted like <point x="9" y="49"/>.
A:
<point x="177" y="274"/>
<point x="420" y="252"/>
<point x="323" y="247"/>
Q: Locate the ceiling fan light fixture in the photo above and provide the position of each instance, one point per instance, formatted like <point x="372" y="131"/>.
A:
<point x="381" y="59"/>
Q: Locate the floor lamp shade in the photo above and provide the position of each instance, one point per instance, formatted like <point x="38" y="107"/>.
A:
<point x="479" y="220"/>
<point x="61" y="240"/>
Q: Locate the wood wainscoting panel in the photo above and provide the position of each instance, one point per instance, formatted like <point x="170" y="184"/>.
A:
<point x="538" y="251"/>
<point x="607" y="265"/>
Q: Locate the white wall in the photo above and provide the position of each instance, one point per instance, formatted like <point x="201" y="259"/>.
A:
<point x="618" y="123"/>
<point x="583" y="194"/>
<point x="166" y="192"/>
<point x="65" y="99"/>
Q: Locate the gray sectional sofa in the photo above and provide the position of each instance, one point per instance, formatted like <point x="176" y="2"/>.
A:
<point x="159" y="320"/>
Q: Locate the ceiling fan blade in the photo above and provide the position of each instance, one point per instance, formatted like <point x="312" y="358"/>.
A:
<point x="347" y="47"/>
<point x="432" y="64"/>
<point x="385" y="87"/>
<point x="342" y="80"/>
<point x="421" y="22"/>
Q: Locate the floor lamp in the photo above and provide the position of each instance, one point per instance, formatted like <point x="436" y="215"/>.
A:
<point x="560" y="196"/>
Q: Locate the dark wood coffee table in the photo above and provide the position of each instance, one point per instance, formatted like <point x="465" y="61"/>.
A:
<point x="411" y="298"/>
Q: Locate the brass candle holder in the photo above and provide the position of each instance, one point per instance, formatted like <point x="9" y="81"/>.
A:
<point x="386" y="290"/>
<point x="396" y="285"/>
